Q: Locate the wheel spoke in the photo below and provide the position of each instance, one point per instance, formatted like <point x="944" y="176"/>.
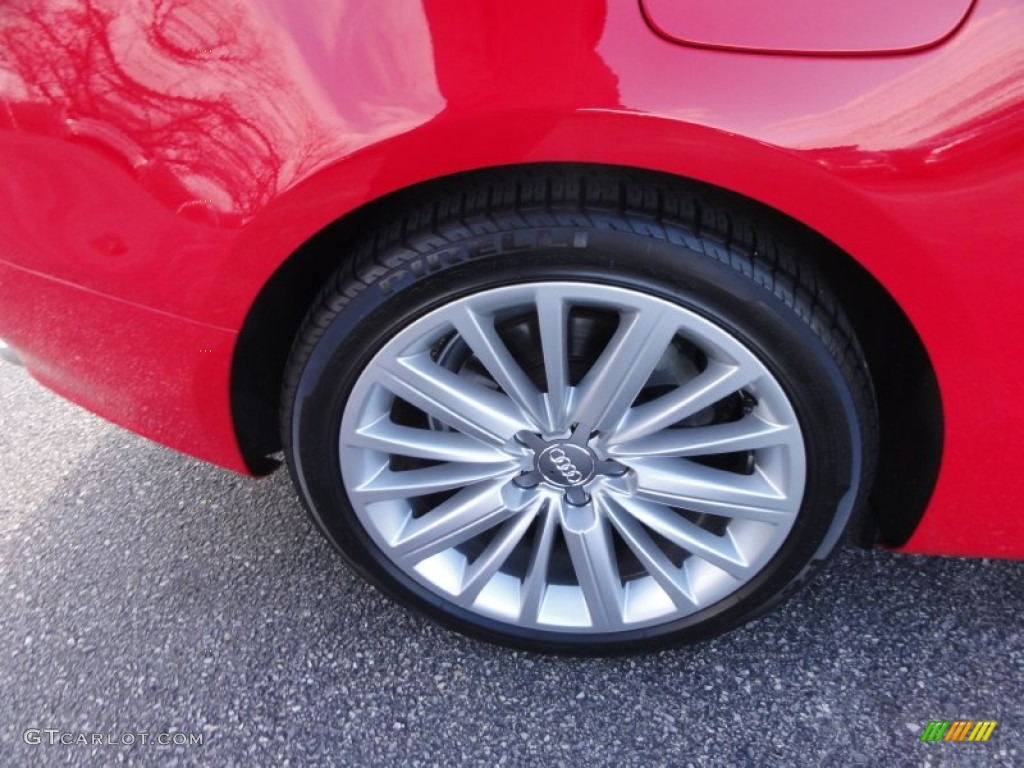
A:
<point x="674" y="581"/>
<point x="685" y="484"/>
<point x="452" y="399"/>
<point x="720" y="551"/>
<point x="718" y="381"/>
<point x="553" y="321"/>
<point x="421" y="482"/>
<point x="479" y="333"/>
<point x="748" y="434"/>
<point x="385" y="435"/>
<point x="593" y="559"/>
<point x="535" y="582"/>
<point x="479" y="574"/>
<point x="466" y="514"/>
<point x="632" y="354"/>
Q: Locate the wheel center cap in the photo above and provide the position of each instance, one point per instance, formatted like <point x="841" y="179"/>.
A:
<point x="565" y="464"/>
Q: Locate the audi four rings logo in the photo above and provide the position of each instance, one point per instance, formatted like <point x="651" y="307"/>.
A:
<point x="564" y="465"/>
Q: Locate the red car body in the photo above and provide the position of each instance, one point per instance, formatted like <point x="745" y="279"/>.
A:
<point x="162" y="162"/>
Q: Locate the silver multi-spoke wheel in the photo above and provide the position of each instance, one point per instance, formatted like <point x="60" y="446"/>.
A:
<point x="572" y="457"/>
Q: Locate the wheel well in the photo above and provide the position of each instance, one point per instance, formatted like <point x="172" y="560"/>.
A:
<point x="910" y="408"/>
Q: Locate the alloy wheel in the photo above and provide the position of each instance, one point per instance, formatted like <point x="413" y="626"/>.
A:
<point x="572" y="457"/>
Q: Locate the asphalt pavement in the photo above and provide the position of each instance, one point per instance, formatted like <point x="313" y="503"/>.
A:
<point x="144" y="594"/>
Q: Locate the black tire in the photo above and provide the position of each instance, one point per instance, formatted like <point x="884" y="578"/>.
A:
<point x="695" y="248"/>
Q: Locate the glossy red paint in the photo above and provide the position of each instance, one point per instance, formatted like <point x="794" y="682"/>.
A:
<point x="162" y="158"/>
<point x="831" y="27"/>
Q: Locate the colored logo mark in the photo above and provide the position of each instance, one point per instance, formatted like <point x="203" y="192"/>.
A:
<point x="958" y="730"/>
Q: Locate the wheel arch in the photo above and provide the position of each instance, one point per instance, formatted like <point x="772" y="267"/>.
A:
<point x="902" y="372"/>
